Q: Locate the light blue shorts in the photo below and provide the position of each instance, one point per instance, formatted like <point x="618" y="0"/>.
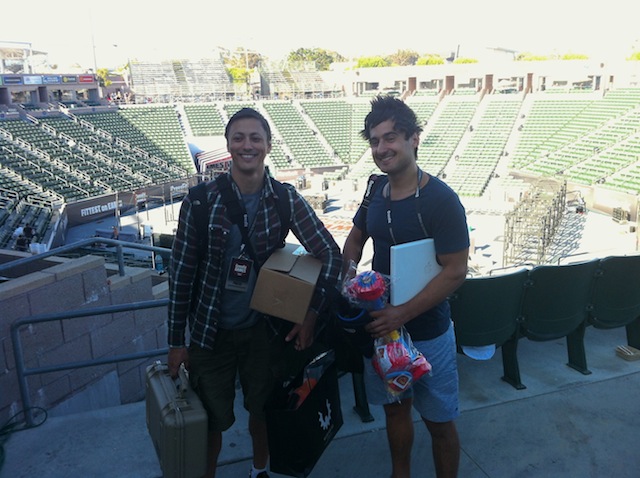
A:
<point x="435" y="396"/>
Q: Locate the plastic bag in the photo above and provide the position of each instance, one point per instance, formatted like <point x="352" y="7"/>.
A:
<point x="398" y="362"/>
<point x="311" y="375"/>
<point x="395" y="359"/>
<point x="368" y="290"/>
<point x="360" y="293"/>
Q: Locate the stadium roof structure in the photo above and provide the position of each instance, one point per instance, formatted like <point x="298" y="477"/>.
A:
<point x="17" y="54"/>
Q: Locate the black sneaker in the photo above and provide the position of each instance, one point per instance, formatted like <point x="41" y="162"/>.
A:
<point x="262" y="474"/>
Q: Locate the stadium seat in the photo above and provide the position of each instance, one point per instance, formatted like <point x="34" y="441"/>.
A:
<point x="485" y="312"/>
<point x="555" y="306"/>
<point x="615" y="299"/>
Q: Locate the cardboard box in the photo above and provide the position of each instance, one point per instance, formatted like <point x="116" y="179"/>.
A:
<point x="286" y="283"/>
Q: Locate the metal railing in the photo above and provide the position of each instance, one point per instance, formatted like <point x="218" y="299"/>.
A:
<point x="23" y="372"/>
<point x="119" y="245"/>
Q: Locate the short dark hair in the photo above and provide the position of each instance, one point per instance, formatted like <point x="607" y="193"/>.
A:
<point x="248" y="113"/>
<point x="387" y="107"/>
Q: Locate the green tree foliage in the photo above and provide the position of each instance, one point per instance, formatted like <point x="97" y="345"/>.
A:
<point x="241" y="58"/>
<point x="464" y="60"/>
<point x="239" y="75"/>
<point x="634" y="56"/>
<point x="240" y="62"/>
<point x="372" y="62"/>
<point x="322" y="58"/>
<point x="574" y="56"/>
<point x="527" y="56"/>
<point x="403" y="58"/>
<point x="103" y="77"/>
<point x="430" y="60"/>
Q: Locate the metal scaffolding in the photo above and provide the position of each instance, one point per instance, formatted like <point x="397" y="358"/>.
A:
<point x="531" y="226"/>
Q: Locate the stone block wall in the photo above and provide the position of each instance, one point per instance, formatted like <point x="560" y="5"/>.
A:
<point x="71" y="284"/>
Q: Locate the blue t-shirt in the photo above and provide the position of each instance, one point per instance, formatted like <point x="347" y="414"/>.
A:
<point x="444" y="218"/>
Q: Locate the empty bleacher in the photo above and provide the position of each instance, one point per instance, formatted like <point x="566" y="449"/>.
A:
<point x="603" y="152"/>
<point x="27" y="151"/>
<point x="441" y="138"/>
<point x="308" y="82"/>
<point x="303" y="142"/>
<point x="592" y="138"/>
<point x="626" y="156"/>
<point x="340" y="124"/>
<point x="548" y="127"/>
<point x="204" y="119"/>
<point x="478" y="160"/>
<point x="154" y="129"/>
<point x="581" y="136"/>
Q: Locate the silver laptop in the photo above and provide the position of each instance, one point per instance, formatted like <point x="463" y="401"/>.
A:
<point x="413" y="265"/>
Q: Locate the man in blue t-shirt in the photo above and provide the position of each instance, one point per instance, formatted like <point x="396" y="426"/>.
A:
<point x="409" y="205"/>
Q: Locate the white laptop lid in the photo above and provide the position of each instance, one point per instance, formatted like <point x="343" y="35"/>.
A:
<point x="413" y="265"/>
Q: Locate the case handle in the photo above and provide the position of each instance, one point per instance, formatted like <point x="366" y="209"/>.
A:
<point x="182" y="381"/>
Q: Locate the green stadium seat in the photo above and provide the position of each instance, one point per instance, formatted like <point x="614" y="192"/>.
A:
<point x="615" y="298"/>
<point x="486" y="311"/>
<point x="555" y="306"/>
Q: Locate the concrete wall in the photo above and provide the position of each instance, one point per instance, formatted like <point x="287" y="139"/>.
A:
<point x="71" y="284"/>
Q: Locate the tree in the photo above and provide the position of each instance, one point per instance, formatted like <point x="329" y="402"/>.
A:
<point x="430" y="59"/>
<point x="372" y="62"/>
<point x="103" y="77"/>
<point x="240" y="62"/>
<point x="403" y="58"/>
<point x="635" y="56"/>
<point x="527" y="56"/>
<point x="239" y="75"/>
<point x="462" y="60"/>
<point x="574" y="56"/>
<point x="241" y="58"/>
<point x="322" y="58"/>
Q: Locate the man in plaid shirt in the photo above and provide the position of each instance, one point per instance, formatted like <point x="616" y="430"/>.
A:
<point x="211" y="290"/>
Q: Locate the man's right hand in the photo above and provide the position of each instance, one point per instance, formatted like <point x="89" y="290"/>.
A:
<point x="176" y="357"/>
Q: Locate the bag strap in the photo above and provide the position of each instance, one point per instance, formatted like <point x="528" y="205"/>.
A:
<point x="235" y="211"/>
<point x="284" y="208"/>
<point x="373" y="183"/>
<point x="198" y="194"/>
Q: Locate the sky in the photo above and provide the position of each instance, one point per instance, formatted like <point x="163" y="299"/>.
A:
<point x="118" y="30"/>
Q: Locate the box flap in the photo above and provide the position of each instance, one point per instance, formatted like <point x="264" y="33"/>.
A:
<point x="283" y="259"/>
<point x="306" y="268"/>
<point x="286" y="283"/>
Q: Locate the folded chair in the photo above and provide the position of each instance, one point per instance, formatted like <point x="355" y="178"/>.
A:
<point x="485" y="311"/>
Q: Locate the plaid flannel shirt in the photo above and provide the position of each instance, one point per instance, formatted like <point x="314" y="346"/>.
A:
<point x="195" y="289"/>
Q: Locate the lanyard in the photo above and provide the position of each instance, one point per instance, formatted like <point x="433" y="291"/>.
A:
<point x="247" y="229"/>
<point x="417" y="196"/>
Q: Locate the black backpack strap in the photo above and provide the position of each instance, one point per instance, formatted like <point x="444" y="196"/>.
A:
<point x="198" y="195"/>
<point x="235" y="210"/>
<point x="236" y="213"/>
<point x="230" y="199"/>
<point x="373" y="183"/>
<point x="284" y="208"/>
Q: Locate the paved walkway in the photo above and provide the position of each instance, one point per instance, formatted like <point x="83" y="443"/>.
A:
<point x="564" y="424"/>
